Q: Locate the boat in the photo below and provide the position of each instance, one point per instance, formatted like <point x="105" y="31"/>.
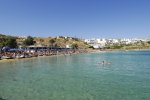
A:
<point x="5" y="57"/>
<point x="20" y="56"/>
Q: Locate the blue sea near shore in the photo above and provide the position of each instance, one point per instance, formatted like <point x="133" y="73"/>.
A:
<point x="78" y="77"/>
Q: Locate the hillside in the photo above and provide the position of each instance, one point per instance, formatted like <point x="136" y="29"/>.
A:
<point x="61" y="42"/>
<point x="57" y="42"/>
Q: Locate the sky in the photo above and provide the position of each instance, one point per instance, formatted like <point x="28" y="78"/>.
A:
<point x="77" y="18"/>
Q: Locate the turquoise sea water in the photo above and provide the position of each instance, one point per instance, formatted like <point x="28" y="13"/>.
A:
<point x="78" y="77"/>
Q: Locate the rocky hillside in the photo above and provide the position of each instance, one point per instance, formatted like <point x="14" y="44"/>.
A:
<point x="57" y="42"/>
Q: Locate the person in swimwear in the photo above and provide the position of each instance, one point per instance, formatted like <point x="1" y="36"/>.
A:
<point x="104" y="63"/>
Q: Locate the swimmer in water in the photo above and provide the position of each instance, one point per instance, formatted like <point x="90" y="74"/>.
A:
<point x="104" y="63"/>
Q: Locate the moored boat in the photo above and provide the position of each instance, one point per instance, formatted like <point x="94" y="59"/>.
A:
<point x="20" y="56"/>
<point x="6" y="57"/>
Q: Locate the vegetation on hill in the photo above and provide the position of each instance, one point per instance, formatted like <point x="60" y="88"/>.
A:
<point x="61" y="42"/>
<point x="28" y="41"/>
<point x="74" y="46"/>
<point x="8" y="41"/>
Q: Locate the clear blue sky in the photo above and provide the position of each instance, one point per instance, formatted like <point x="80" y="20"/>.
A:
<point x="80" y="18"/>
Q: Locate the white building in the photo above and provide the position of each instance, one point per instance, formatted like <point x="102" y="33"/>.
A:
<point x="90" y="41"/>
<point x="96" y="43"/>
<point x="102" y="42"/>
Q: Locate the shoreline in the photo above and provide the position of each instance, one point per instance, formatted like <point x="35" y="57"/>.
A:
<point x="16" y="60"/>
<point x="88" y="52"/>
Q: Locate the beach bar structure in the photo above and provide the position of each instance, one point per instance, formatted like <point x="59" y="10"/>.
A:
<point x="35" y="48"/>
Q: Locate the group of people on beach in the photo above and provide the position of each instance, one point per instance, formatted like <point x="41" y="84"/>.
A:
<point x="30" y="53"/>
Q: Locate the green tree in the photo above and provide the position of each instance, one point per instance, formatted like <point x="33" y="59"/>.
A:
<point x="8" y="41"/>
<point x="52" y="41"/>
<point x="11" y="42"/>
<point x="29" y="41"/>
<point x="91" y="47"/>
<point x="148" y="42"/>
<point x="74" y="46"/>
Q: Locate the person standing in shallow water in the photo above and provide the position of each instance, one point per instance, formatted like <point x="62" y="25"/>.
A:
<point x="104" y="63"/>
